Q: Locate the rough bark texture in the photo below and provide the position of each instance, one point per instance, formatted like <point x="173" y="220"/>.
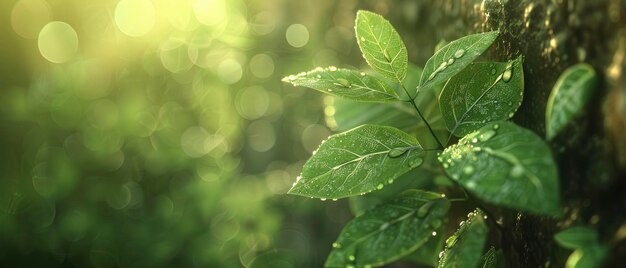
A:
<point x="551" y="35"/>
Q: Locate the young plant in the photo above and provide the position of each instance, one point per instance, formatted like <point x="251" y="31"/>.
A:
<point x="495" y="161"/>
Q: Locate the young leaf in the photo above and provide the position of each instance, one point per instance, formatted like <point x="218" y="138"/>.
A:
<point x="465" y="247"/>
<point x="483" y="92"/>
<point x="506" y="165"/>
<point x="571" y="92"/>
<point x="454" y="57"/>
<point x="357" y="162"/>
<point x="345" y="83"/>
<point x="381" y="45"/>
<point x="576" y="237"/>
<point x="390" y="231"/>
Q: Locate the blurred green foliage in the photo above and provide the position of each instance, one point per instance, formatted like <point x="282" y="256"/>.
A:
<point x="157" y="133"/>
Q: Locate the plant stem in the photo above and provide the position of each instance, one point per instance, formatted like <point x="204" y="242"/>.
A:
<point x="412" y="101"/>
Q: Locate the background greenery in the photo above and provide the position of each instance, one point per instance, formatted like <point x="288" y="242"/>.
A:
<point x="158" y="134"/>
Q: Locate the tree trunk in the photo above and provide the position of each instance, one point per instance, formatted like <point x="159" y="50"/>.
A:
<point x="551" y="35"/>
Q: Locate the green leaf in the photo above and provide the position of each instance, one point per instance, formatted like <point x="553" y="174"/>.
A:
<point x="345" y="83"/>
<point x="348" y="114"/>
<point x="390" y="231"/>
<point x="465" y="247"/>
<point x="381" y="45"/>
<point x="576" y="237"/>
<point x="428" y="254"/>
<point x="454" y="57"/>
<point x="506" y="165"/>
<point x="569" y="96"/>
<point x="420" y="178"/>
<point x="492" y="259"/>
<point x="358" y="161"/>
<point x="483" y="92"/>
<point x="592" y="256"/>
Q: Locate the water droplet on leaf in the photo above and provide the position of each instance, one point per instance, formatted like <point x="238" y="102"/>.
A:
<point x="485" y="136"/>
<point x="506" y="76"/>
<point x="468" y="170"/>
<point x="397" y="152"/>
<point x="416" y="162"/>
<point x="380" y="186"/>
<point x="423" y="210"/>
<point x="336" y="245"/>
<point x="451" y="241"/>
<point x="517" y="171"/>
<point x="344" y="82"/>
<point x="459" y="53"/>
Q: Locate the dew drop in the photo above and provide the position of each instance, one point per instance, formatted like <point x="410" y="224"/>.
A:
<point x="434" y="234"/>
<point x="474" y="140"/>
<point x="416" y="162"/>
<point x="451" y="241"/>
<point x="485" y="136"/>
<point x="517" y="171"/>
<point x="442" y="66"/>
<point x="445" y="165"/>
<point x="336" y="245"/>
<point x="344" y="82"/>
<point x="461" y="223"/>
<point x="493" y="71"/>
<point x="459" y="53"/>
<point x="380" y="186"/>
<point x="423" y="210"/>
<point x="351" y="258"/>
<point x="323" y="199"/>
<point x="362" y="74"/>
<point x="496" y="126"/>
<point x="511" y="115"/>
<point x="332" y="68"/>
<point x="468" y="170"/>
<point x="435" y="223"/>
<point x="363" y="39"/>
<point x="440" y="254"/>
<point x="450" y="61"/>
<point x="506" y="76"/>
<point x="397" y="152"/>
<point x="390" y="181"/>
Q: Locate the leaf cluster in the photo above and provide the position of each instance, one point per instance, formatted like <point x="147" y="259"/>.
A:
<point x="453" y="96"/>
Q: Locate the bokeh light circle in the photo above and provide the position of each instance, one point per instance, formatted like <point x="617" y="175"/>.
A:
<point x="262" y="65"/>
<point x="135" y="17"/>
<point x="261" y="136"/>
<point x="57" y="42"/>
<point x="297" y="35"/>
<point x="210" y="12"/>
<point x="29" y="16"/>
<point x="230" y="71"/>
